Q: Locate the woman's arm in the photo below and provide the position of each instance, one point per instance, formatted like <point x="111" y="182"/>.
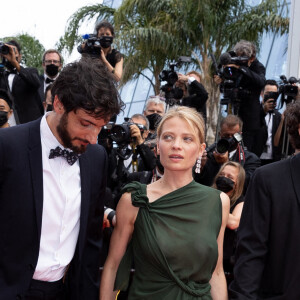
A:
<point x="218" y="280"/>
<point x="126" y="215"/>
<point x="117" y="70"/>
<point x="234" y="218"/>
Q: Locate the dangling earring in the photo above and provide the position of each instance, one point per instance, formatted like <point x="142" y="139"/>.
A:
<point x="198" y="165"/>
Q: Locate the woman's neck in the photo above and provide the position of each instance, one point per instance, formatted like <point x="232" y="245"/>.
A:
<point x="172" y="180"/>
<point x="106" y="50"/>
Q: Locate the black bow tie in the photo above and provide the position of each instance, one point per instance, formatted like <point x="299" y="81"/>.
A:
<point x="71" y="157"/>
<point x="48" y="80"/>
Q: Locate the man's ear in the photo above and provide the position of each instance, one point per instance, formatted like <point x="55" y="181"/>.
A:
<point x="58" y="106"/>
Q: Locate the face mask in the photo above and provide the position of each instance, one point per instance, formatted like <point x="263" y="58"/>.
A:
<point x="3" y="117"/>
<point x="52" y="70"/>
<point x="154" y="119"/>
<point x="106" y="41"/>
<point x="224" y="184"/>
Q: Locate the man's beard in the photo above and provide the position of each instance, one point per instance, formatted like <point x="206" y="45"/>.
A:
<point x="66" y="138"/>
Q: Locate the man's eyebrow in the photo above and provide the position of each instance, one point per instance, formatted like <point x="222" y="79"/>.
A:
<point x="83" y="119"/>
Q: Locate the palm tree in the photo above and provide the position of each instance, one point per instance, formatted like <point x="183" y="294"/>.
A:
<point x="151" y="33"/>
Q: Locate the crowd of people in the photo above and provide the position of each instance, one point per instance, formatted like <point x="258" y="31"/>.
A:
<point x="90" y="209"/>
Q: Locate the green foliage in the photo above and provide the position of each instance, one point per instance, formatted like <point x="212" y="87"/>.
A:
<point x="32" y="50"/>
<point x="151" y="33"/>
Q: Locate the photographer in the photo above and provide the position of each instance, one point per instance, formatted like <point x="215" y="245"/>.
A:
<point x="99" y="46"/>
<point x="212" y="160"/>
<point x="194" y="93"/>
<point x="270" y="119"/>
<point x="250" y="81"/>
<point x="21" y="83"/>
<point x="131" y="153"/>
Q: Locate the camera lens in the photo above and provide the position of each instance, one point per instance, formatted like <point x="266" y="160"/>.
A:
<point x="222" y="146"/>
<point x="120" y="133"/>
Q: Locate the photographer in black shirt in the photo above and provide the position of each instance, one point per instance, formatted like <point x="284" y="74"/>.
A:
<point x="250" y="82"/>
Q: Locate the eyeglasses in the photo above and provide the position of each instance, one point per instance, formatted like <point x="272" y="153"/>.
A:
<point x="52" y="61"/>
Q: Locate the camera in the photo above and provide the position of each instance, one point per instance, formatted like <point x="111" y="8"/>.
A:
<point x="92" y="45"/>
<point x="231" y="89"/>
<point x="226" y="144"/>
<point x="120" y="133"/>
<point x="288" y="89"/>
<point x="172" y="93"/>
<point x="4" y="49"/>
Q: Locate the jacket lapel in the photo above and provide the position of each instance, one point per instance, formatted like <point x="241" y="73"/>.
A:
<point x="36" y="170"/>
<point x="295" y="173"/>
<point x="85" y="199"/>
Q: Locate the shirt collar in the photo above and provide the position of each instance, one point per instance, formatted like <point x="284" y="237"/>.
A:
<point x="47" y="137"/>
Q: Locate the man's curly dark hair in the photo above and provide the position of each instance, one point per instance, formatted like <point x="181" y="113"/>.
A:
<point x="88" y="85"/>
<point x="292" y="116"/>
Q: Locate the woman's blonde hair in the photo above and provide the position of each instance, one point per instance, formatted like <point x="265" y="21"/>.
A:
<point x="190" y="115"/>
<point x="239" y="186"/>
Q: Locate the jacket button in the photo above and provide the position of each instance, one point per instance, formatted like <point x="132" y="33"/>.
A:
<point x="18" y="297"/>
<point x="31" y="267"/>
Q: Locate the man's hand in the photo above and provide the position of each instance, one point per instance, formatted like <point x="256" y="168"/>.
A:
<point x="182" y="77"/>
<point x="221" y="158"/>
<point x="270" y="104"/>
<point x="232" y="66"/>
<point x="217" y="79"/>
<point x="11" y="56"/>
<point x="136" y="133"/>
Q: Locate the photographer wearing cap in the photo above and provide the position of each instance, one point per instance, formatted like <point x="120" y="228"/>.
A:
<point x="249" y="83"/>
<point x="228" y="148"/>
<point x="270" y="119"/>
<point x="194" y="93"/>
<point x="22" y="84"/>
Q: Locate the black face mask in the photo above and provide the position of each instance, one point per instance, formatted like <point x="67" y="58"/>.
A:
<point x="224" y="184"/>
<point x="52" y="70"/>
<point x="3" y="117"/>
<point x="154" y="119"/>
<point x="49" y="107"/>
<point x="159" y="165"/>
<point x="106" y="41"/>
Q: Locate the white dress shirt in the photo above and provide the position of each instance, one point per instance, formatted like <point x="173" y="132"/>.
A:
<point x="268" y="153"/>
<point x="61" y="210"/>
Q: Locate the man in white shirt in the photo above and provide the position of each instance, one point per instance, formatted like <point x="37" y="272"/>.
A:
<point x="52" y="189"/>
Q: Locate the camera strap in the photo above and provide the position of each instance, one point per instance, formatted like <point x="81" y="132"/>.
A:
<point x="241" y="154"/>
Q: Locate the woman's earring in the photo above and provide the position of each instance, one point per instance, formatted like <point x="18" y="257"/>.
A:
<point x="198" y="165"/>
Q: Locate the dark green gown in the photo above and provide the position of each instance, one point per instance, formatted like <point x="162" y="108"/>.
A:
<point x="174" y="244"/>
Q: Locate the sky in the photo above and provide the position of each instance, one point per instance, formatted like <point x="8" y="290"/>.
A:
<point x="44" y="20"/>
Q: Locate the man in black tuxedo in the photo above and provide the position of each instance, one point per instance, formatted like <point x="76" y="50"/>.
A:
<point x="52" y="183"/>
<point x="270" y="119"/>
<point x="267" y="256"/>
<point x="22" y="84"/>
<point x="52" y="64"/>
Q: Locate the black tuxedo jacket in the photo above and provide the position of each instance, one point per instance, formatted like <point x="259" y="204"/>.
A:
<point x="262" y="135"/>
<point x="21" y="203"/>
<point x="267" y="257"/>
